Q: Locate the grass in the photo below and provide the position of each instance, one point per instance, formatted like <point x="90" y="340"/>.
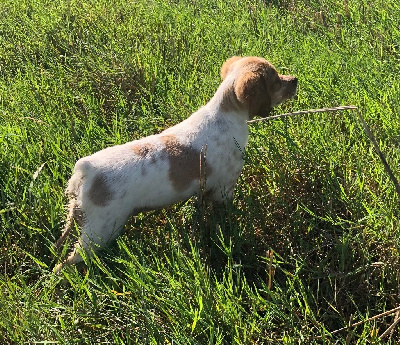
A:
<point x="311" y="241"/>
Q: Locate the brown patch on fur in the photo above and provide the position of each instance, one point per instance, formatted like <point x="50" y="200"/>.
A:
<point x="284" y="88"/>
<point x="100" y="193"/>
<point x="252" y="89"/>
<point x="225" y="69"/>
<point x="185" y="163"/>
<point x="142" y="150"/>
<point x="229" y="100"/>
<point x="258" y="86"/>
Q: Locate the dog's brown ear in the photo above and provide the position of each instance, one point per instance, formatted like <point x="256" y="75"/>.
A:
<point x="228" y="63"/>
<point x="252" y="91"/>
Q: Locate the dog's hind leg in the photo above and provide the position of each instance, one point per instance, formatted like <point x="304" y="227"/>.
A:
<point x="82" y="245"/>
<point x="73" y="258"/>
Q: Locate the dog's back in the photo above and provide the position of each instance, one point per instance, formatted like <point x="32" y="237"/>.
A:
<point x="204" y="154"/>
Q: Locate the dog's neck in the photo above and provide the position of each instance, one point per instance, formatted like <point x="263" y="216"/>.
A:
<point x="225" y="103"/>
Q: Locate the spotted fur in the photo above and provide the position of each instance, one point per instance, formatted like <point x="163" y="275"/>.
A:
<point x="113" y="184"/>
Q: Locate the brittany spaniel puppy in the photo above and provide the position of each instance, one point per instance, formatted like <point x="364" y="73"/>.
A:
<point x="202" y="154"/>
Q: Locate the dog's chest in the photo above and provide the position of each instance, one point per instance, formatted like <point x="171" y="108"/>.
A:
<point x="224" y="149"/>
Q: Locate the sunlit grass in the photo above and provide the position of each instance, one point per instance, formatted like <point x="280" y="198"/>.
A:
<point x="311" y="242"/>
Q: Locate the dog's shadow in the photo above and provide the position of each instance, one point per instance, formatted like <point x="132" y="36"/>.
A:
<point x="218" y="233"/>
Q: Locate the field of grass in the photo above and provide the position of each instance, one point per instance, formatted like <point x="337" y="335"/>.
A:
<point x="311" y="243"/>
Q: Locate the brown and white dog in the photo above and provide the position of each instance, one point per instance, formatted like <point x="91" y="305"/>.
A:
<point x="113" y="184"/>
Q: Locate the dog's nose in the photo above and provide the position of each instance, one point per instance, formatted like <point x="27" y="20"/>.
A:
<point x="294" y="81"/>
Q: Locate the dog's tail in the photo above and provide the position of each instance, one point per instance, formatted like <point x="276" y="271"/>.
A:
<point x="73" y="191"/>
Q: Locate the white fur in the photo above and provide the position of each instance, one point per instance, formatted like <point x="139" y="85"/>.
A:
<point x="109" y="186"/>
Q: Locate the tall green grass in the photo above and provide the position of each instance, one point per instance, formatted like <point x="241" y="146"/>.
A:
<point x="311" y="241"/>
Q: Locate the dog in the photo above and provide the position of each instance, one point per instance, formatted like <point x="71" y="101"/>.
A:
<point x="203" y="153"/>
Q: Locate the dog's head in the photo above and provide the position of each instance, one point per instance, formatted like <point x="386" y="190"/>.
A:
<point x="257" y="85"/>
